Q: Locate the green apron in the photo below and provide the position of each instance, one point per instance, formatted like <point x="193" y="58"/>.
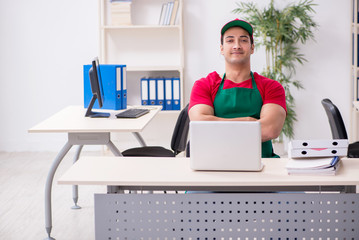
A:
<point x="241" y="102"/>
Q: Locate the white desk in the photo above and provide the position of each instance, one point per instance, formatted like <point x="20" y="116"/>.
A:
<point x="85" y="131"/>
<point x="212" y="215"/>
<point x="71" y="119"/>
<point x="175" y="173"/>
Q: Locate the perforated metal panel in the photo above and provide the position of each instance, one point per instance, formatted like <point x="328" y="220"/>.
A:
<point x="227" y="216"/>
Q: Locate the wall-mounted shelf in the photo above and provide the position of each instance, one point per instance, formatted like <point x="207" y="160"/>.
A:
<point x="147" y="48"/>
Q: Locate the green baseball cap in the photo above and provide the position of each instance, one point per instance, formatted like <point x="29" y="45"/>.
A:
<point x="238" y="23"/>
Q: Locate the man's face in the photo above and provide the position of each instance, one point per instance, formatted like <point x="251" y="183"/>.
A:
<point x="237" y="47"/>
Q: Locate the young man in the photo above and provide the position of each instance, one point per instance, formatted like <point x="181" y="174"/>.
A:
<point x="240" y="95"/>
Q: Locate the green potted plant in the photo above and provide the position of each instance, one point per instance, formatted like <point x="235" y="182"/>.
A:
<point x="279" y="31"/>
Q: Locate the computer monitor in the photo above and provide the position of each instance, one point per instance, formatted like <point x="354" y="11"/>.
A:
<point x="96" y="88"/>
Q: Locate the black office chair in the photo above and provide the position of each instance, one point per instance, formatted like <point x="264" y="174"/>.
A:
<point x="188" y="150"/>
<point x="178" y="142"/>
<point x="338" y="128"/>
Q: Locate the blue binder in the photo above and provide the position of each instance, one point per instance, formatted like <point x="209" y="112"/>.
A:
<point x="144" y="91"/>
<point x="113" y="85"/>
<point x="176" y="96"/>
<point x="152" y="91"/>
<point x="161" y="92"/>
<point x="121" y="86"/>
<point x="168" y="93"/>
<point x="353" y="49"/>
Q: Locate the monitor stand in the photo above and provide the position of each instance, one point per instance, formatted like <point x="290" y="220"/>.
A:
<point x="90" y="113"/>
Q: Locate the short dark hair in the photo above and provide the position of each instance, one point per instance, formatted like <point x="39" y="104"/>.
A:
<point x="250" y="37"/>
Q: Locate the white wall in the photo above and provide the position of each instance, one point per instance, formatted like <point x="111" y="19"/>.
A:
<point x="44" y="43"/>
<point x="328" y="71"/>
<point x="43" y="46"/>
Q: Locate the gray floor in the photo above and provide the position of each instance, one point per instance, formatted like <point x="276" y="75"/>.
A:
<point x="22" y="181"/>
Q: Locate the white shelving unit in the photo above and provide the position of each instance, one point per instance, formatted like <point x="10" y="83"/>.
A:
<point x="353" y="136"/>
<point x="147" y="48"/>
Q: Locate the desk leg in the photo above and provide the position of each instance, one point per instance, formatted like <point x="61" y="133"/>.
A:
<point x="117" y="153"/>
<point x="48" y="186"/>
<point x="140" y="139"/>
<point x="114" y="149"/>
<point x="75" y="196"/>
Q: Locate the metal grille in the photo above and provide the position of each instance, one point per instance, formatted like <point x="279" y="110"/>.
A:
<point x="217" y="216"/>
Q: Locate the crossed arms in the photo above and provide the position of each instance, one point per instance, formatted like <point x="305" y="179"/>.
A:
<point x="272" y="118"/>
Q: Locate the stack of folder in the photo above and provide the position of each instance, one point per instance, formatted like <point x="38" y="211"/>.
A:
<point x="316" y="156"/>
<point x="161" y="91"/>
<point x="113" y="81"/>
<point x="316" y="166"/>
<point x="121" y="12"/>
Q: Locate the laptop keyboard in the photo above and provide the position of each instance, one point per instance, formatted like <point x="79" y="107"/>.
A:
<point x="132" y="113"/>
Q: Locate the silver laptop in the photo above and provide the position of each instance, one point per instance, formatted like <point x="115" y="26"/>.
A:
<point x="225" y="146"/>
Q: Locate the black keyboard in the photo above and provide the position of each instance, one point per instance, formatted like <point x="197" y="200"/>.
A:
<point x="132" y="113"/>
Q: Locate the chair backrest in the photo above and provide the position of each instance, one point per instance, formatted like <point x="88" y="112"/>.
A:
<point x="180" y="132"/>
<point x="335" y="120"/>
